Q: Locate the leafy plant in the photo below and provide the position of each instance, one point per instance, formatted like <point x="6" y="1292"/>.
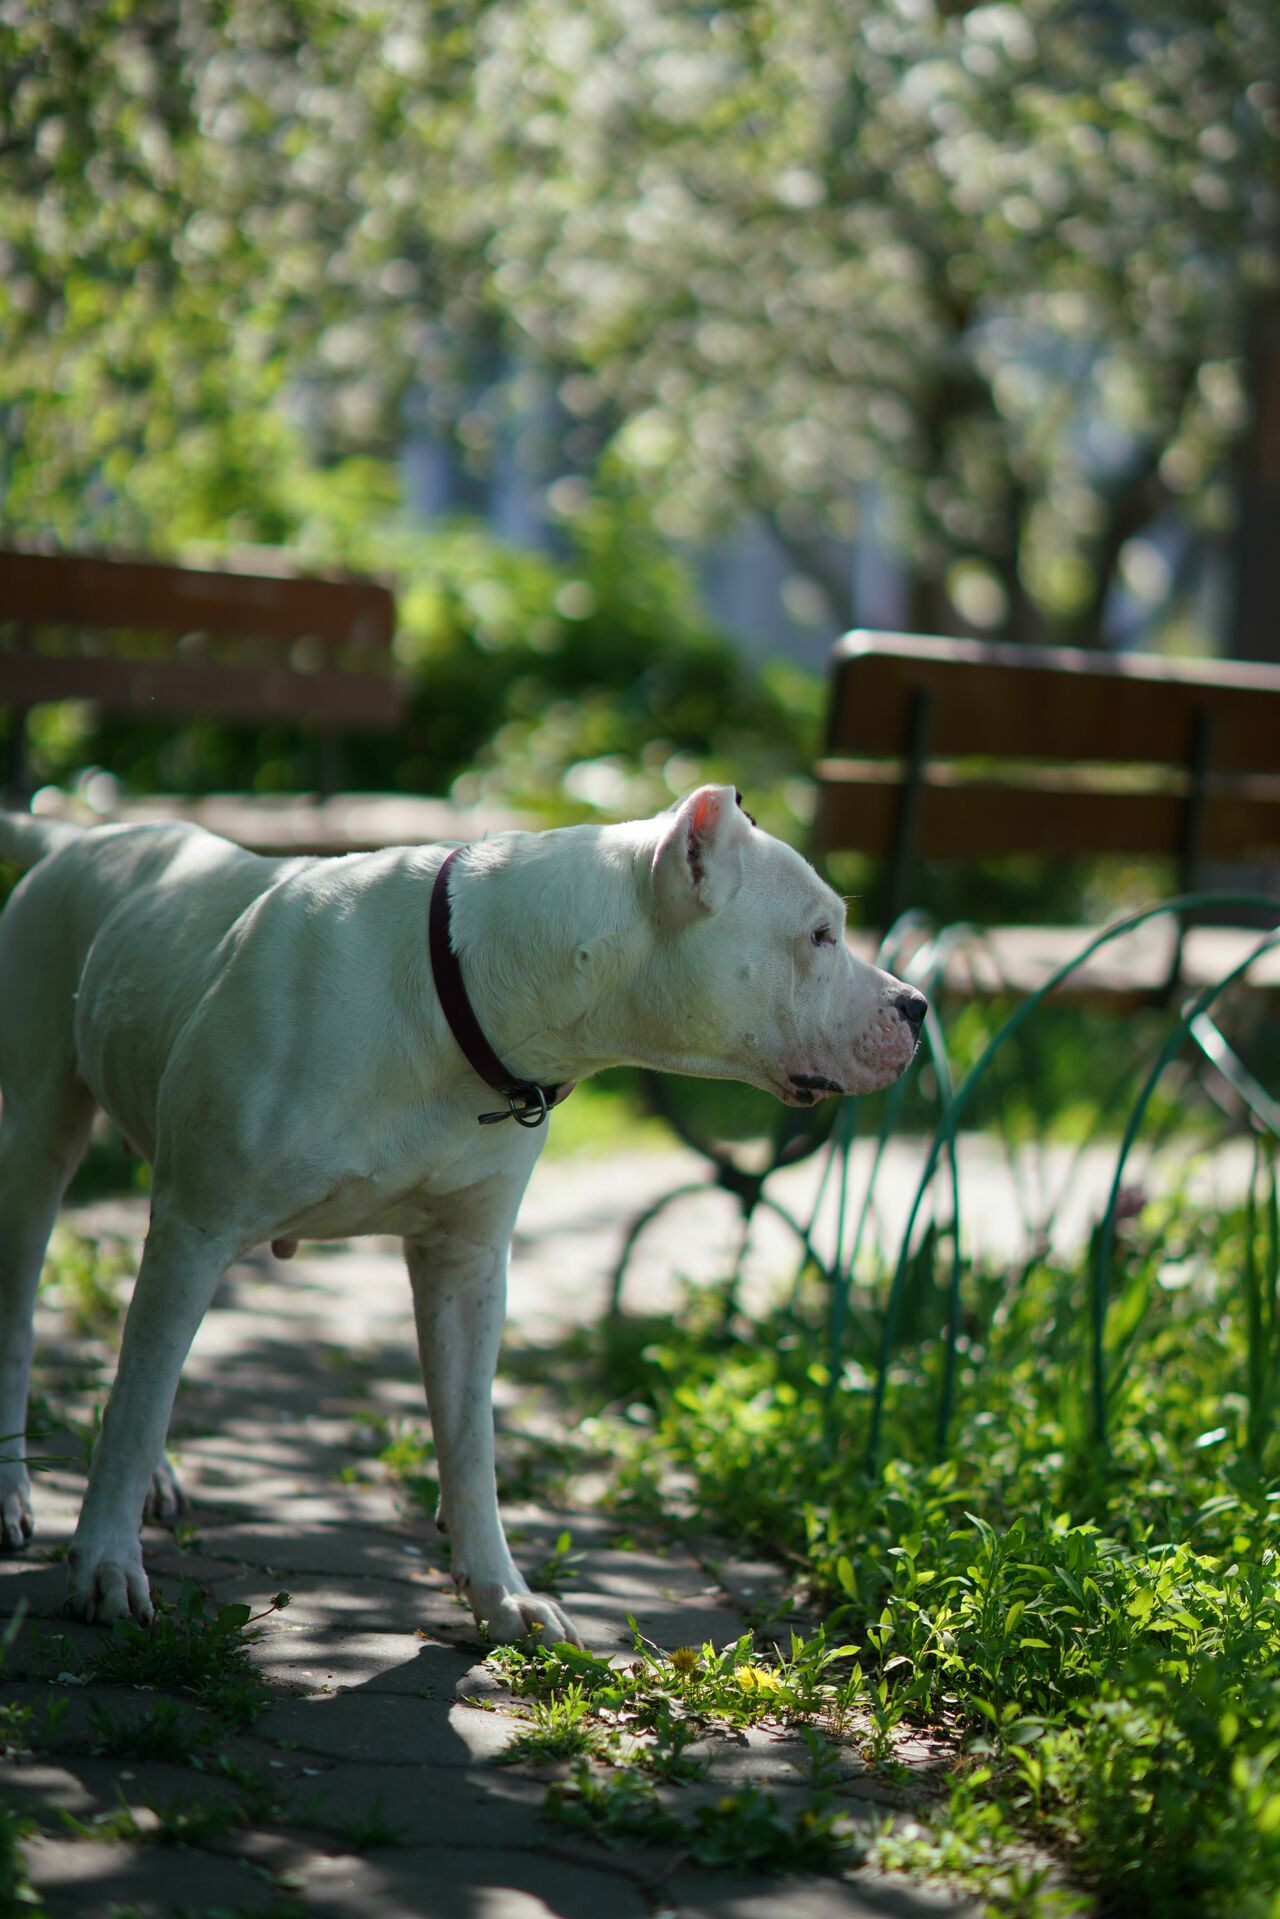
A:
<point x="559" y="1565"/>
<point x="743" y="1828"/>
<point x="361" y="1831"/>
<point x="557" y="1729"/>
<point x="188" y="1649"/>
<point x="18" y="1897"/>
<point x="165" y="1731"/>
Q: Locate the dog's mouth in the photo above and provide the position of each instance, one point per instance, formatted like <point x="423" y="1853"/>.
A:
<point x="808" y="1088"/>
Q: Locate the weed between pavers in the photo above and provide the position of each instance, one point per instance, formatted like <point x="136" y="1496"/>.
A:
<point x="187" y="1649"/>
<point x="365" y="1831"/>
<point x="636" y="1723"/>
<point x="559" y="1567"/>
<point x="190" y="1649"/>
<point x="743" y="1828"/>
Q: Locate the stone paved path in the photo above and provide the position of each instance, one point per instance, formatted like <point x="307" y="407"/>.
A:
<point x="382" y="1699"/>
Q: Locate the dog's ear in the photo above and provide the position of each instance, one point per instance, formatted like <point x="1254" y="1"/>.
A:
<point x="698" y="864"/>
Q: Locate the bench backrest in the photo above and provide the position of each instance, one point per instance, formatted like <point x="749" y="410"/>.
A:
<point x="995" y="749"/>
<point x="969" y="749"/>
<point x="137" y="636"/>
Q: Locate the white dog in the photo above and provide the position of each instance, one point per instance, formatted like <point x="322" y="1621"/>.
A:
<point x="270" y="1035"/>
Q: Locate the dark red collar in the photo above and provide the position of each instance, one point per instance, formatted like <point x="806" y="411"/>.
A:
<point x="527" y="1103"/>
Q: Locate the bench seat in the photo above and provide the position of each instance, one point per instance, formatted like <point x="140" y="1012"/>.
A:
<point x="292" y="823"/>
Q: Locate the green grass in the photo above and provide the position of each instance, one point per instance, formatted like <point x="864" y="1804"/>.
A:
<point x="1098" y="1629"/>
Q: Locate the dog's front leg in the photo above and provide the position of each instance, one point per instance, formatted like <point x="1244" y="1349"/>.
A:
<point x="180" y="1270"/>
<point x="459" y="1302"/>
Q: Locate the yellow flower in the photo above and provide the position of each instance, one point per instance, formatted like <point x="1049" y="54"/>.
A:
<point x="685" y="1660"/>
<point x="758" y="1679"/>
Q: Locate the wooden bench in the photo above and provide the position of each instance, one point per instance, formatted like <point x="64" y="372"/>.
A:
<point x="163" y="642"/>
<point x="941" y="749"/>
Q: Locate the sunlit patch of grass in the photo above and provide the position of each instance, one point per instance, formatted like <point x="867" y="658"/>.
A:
<point x="1096" y="1633"/>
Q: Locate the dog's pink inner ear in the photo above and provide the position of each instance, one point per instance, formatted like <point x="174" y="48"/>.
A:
<point x="706" y="811"/>
<point x="704" y="818"/>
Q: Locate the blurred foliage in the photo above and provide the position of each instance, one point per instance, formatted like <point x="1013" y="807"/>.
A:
<point x="983" y="271"/>
<point x="989" y="261"/>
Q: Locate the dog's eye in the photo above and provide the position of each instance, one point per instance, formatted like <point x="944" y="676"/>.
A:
<point x="822" y="936"/>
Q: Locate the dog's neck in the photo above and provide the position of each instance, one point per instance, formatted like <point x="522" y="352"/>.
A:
<point x="542" y="924"/>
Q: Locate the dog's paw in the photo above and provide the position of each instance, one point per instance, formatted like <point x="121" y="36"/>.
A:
<point x="103" y="1585"/>
<point x="506" y="1616"/>
<point x="165" y="1502"/>
<point x="17" y="1523"/>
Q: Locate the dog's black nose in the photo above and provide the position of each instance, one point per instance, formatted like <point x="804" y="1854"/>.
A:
<point x="913" y="1007"/>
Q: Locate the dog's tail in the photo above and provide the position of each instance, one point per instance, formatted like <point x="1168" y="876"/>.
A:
<point x="26" y="839"/>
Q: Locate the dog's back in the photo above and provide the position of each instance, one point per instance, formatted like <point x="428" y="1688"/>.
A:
<point x="75" y="878"/>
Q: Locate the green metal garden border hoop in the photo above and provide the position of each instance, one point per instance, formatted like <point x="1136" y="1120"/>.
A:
<point x="949" y="1124"/>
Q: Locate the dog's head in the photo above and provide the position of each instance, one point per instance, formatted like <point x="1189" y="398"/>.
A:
<point x="752" y="971"/>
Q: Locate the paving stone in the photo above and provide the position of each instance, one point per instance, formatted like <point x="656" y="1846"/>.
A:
<point x="92" y="1879"/>
<point x="758" y="1756"/>
<point x="436" y="1883"/>
<point x="316" y="1661"/>
<point x="361" y="1604"/>
<point x="480" y="1682"/>
<point x="480" y="1807"/>
<point x="856" y="1896"/>
<point x="753" y="1584"/>
<point x="487" y="1733"/>
<point x="668" y="1621"/>
<point x="86" y="1786"/>
<point x="394" y="1730"/>
<point x="348" y="1551"/>
<point x="170" y="1568"/>
<point x="36" y="1585"/>
<point x="77" y="1707"/>
<point x="45" y="1645"/>
<point x="39" y="1786"/>
<point x="228" y="1493"/>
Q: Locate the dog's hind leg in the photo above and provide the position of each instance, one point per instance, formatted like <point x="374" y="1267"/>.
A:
<point x="45" y="1110"/>
<point x="42" y="1136"/>
<point x="181" y="1266"/>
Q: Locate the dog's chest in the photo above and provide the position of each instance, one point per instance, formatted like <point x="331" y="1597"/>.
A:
<point x="414" y="1191"/>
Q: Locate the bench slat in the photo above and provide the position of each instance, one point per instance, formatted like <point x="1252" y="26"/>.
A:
<point x="257" y="694"/>
<point x="859" y="802"/>
<point x="89" y="592"/>
<point x="300" y="823"/>
<point x="990" y="700"/>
